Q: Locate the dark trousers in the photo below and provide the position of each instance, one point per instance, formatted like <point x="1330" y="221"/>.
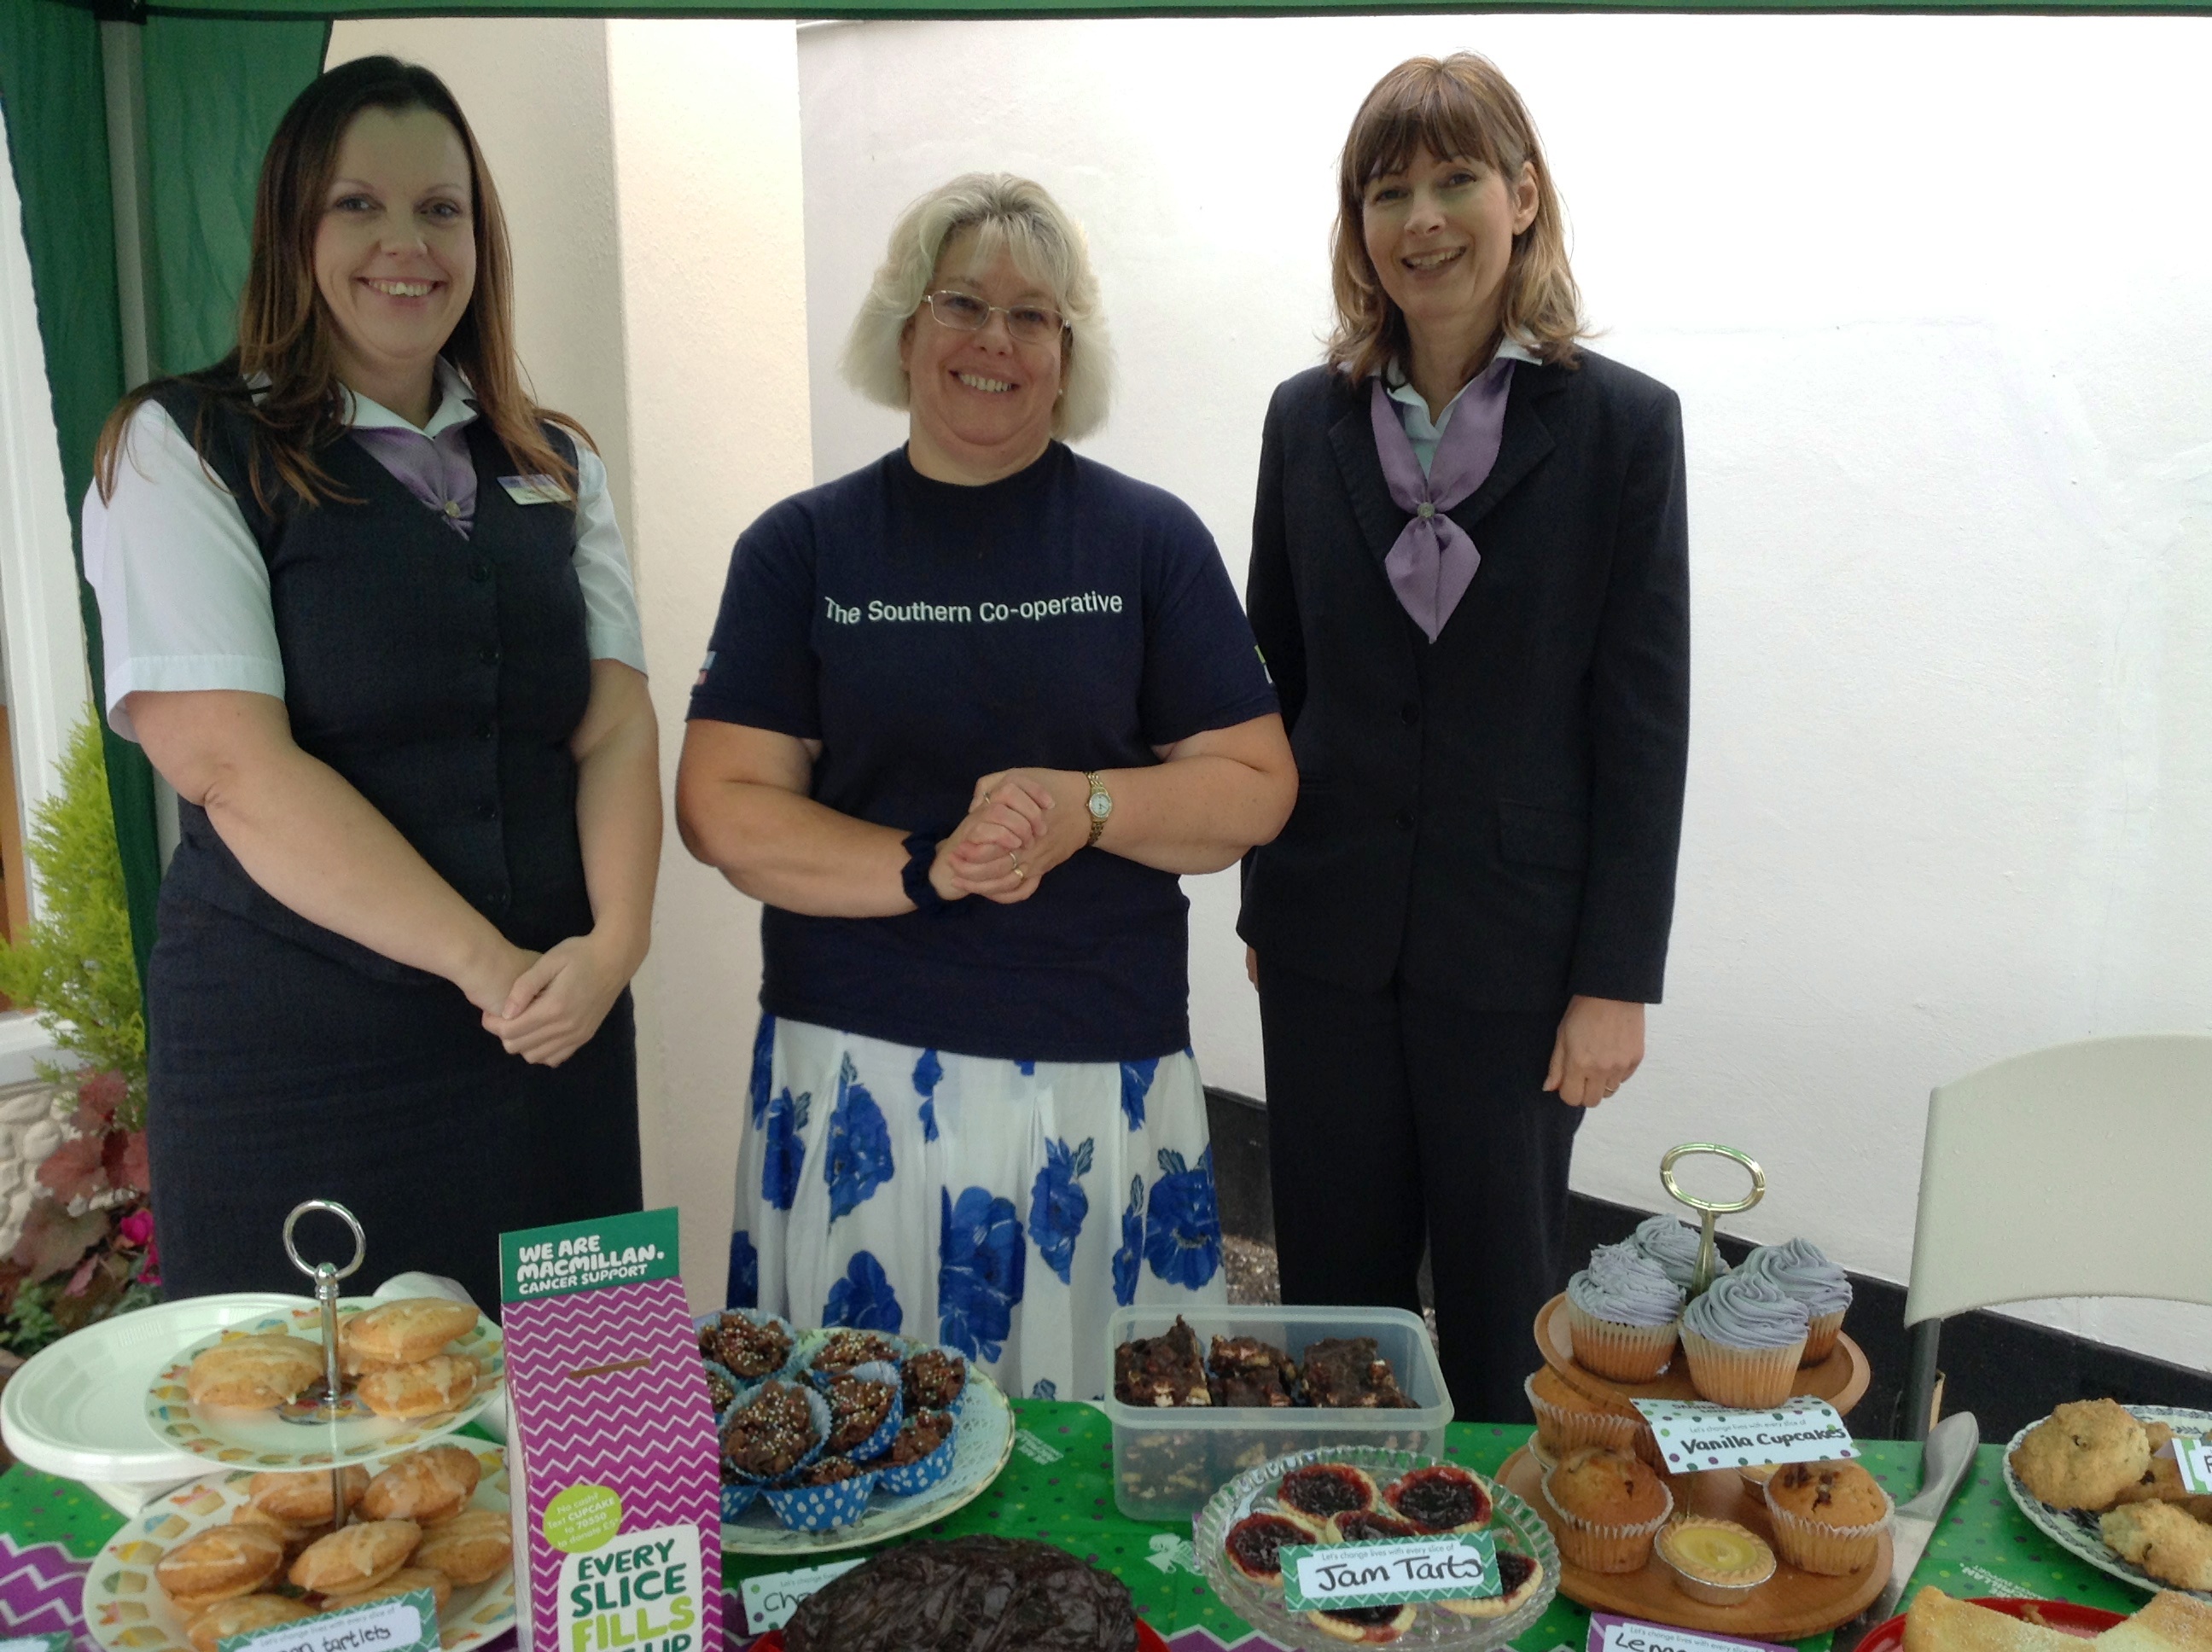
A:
<point x="1396" y="1117"/>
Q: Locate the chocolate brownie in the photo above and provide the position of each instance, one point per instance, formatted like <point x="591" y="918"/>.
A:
<point x="1345" y="1371"/>
<point x="1162" y="1370"/>
<point x="857" y="1409"/>
<point x="1246" y="1371"/>
<point x="772" y="1433"/>
<point x="745" y="1349"/>
<point x="972" y="1594"/>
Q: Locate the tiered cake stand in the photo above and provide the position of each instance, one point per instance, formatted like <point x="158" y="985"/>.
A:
<point x="1789" y="1605"/>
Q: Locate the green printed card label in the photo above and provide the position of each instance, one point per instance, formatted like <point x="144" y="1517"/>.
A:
<point x="1458" y="1566"/>
<point x="2193" y="1457"/>
<point x="403" y="1623"/>
<point x="639" y="1593"/>
<point x="1695" y="1435"/>
<point x="586" y="1255"/>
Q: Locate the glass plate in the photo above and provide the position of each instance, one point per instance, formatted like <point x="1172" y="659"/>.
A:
<point x="1262" y="1607"/>
<point x="274" y="1440"/>
<point x="2075" y="1530"/>
<point x="124" y="1610"/>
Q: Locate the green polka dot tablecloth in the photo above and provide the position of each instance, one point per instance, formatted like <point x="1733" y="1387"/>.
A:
<point x="1058" y="1486"/>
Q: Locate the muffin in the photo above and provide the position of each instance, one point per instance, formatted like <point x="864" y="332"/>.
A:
<point x="1621" y="1311"/>
<point x="1716" y="1561"/>
<point x="1674" y="1246"/>
<point x="1610" y="1506"/>
<point x="1827" y="1516"/>
<point x="1744" y="1339"/>
<point x="1567" y="1417"/>
<point x="1799" y="1270"/>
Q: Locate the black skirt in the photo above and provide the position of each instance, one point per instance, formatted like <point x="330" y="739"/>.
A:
<point x="278" y="1074"/>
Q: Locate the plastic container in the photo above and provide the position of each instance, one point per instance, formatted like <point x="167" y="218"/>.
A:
<point x="1167" y="1461"/>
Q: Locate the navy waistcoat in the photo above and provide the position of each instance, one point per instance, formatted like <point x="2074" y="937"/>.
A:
<point x="441" y="676"/>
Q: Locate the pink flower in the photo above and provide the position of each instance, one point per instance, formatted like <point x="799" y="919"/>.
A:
<point x="137" y="1229"/>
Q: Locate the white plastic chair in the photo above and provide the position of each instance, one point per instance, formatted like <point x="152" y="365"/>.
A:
<point x="2033" y="1170"/>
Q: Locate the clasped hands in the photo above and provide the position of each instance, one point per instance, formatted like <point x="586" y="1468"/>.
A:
<point x="545" y="1006"/>
<point x="1021" y="822"/>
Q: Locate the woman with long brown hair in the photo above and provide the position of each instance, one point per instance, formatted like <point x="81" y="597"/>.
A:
<point x="1470" y="579"/>
<point x="367" y="609"/>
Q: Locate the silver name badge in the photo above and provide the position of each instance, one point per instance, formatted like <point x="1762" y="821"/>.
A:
<point x="534" y="489"/>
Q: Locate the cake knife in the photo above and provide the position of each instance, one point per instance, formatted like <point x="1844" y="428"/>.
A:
<point x="1944" y="1460"/>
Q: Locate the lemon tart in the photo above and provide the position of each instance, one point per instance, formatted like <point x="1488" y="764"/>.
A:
<point x="1716" y="1561"/>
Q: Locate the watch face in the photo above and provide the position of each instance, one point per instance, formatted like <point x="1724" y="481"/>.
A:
<point x="1101" y="806"/>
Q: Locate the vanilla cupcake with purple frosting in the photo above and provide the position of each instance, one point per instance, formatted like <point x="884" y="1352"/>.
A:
<point x="1674" y="1246"/>
<point x="1621" y="1312"/>
<point x="1799" y="1270"/>
<point x="1744" y="1339"/>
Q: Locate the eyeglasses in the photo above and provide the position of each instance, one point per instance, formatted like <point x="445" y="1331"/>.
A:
<point x="1029" y="323"/>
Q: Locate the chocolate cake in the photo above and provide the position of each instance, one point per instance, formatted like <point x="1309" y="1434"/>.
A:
<point x="1162" y="1370"/>
<point x="1345" y="1371"/>
<point x="748" y="1351"/>
<point x="972" y="1594"/>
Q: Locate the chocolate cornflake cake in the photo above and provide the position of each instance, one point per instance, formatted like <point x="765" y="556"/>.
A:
<point x="771" y="1434"/>
<point x="969" y="1593"/>
<point x="933" y="1379"/>
<point x="846" y="1348"/>
<point x="921" y="1434"/>
<point x="1162" y="1370"/>
<point x="857" y="1409"/>
<point x="1246" y="1371"/>
<point x="718" y="1392"/>
<point x="828" y="1470"/>
<point x="745" y="1349"/>
<point x="1345" y="1371"/>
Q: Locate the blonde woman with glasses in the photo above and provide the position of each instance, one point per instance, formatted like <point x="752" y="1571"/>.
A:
<point x="966" y="717"/>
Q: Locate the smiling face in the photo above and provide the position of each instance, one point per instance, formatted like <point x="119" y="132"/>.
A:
<point x="1440" y="234"/>
<point x="980" y="403"/>
<point x="396" y="253"/>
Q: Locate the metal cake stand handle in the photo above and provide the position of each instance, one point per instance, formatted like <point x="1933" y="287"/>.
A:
<point x="1708" y="1209"/>
<point x="327" y="1276"/>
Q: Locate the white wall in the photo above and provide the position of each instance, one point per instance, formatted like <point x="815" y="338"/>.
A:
<point x="650" y="175"/>
<point x="1937" y="295"/>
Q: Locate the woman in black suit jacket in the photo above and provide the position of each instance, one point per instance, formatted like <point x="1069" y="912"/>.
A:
<point x="1455" y="936"/>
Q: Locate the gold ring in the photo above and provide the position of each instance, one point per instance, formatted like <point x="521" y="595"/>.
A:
<point x="1020" y="875"/>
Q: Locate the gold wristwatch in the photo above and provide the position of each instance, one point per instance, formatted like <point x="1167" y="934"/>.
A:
<point x="1101" y="806"/>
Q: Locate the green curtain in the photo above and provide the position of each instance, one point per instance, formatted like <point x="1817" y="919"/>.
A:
<point x="214" y="91"/>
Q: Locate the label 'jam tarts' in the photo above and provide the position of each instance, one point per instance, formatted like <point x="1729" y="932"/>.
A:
<point x="1256" y="1544"/>
<point x="1441" y="1499"/>
<point x="1319" y="1489"/>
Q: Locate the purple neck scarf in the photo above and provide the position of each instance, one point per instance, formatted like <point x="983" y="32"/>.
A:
<point x="1433" y="561"/>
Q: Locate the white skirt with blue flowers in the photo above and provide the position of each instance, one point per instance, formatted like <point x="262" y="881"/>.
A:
<point x="1003" y="1208"/>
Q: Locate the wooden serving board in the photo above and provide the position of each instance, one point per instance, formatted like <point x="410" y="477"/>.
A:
<point x="1840" y="1379"/>
<point x="1788" y="1606"/>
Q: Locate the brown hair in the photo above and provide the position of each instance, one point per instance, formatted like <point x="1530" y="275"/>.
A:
<point x="1460" y="108"/>
<point x="283" y="325"/>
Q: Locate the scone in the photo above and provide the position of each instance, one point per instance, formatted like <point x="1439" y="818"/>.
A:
<point x="2083" y="1455"/>
<point x="219" y="1564"/>
<point x="403" y="1332"/>
<point x="356" y="1558"/>
<point x="304" y="1499"/>
<point x="1937" y="1623"/>
<point x="243" y="1616"/>
<point x="405" y="1580"/>
<point x="2163" y="1540"/>
<point x="468" y="1548"/>
<point x="254" y="1372"/>
<point x="422" y="1389"/>
<point x="424" y="1487"/>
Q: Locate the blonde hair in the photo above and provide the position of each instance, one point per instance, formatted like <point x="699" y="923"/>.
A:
<point x="1458" y="107"/>
<point x="1045" y="244"/>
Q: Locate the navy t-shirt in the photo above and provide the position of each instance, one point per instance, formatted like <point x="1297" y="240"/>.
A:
<point x="928" y="634"/>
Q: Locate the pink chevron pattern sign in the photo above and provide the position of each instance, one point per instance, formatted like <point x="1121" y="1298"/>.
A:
<point x="607" y="1390"/>
<point x="41" y="1589"/>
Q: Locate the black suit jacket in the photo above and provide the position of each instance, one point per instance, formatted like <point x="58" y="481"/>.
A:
<point x="1495" y="816"/>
